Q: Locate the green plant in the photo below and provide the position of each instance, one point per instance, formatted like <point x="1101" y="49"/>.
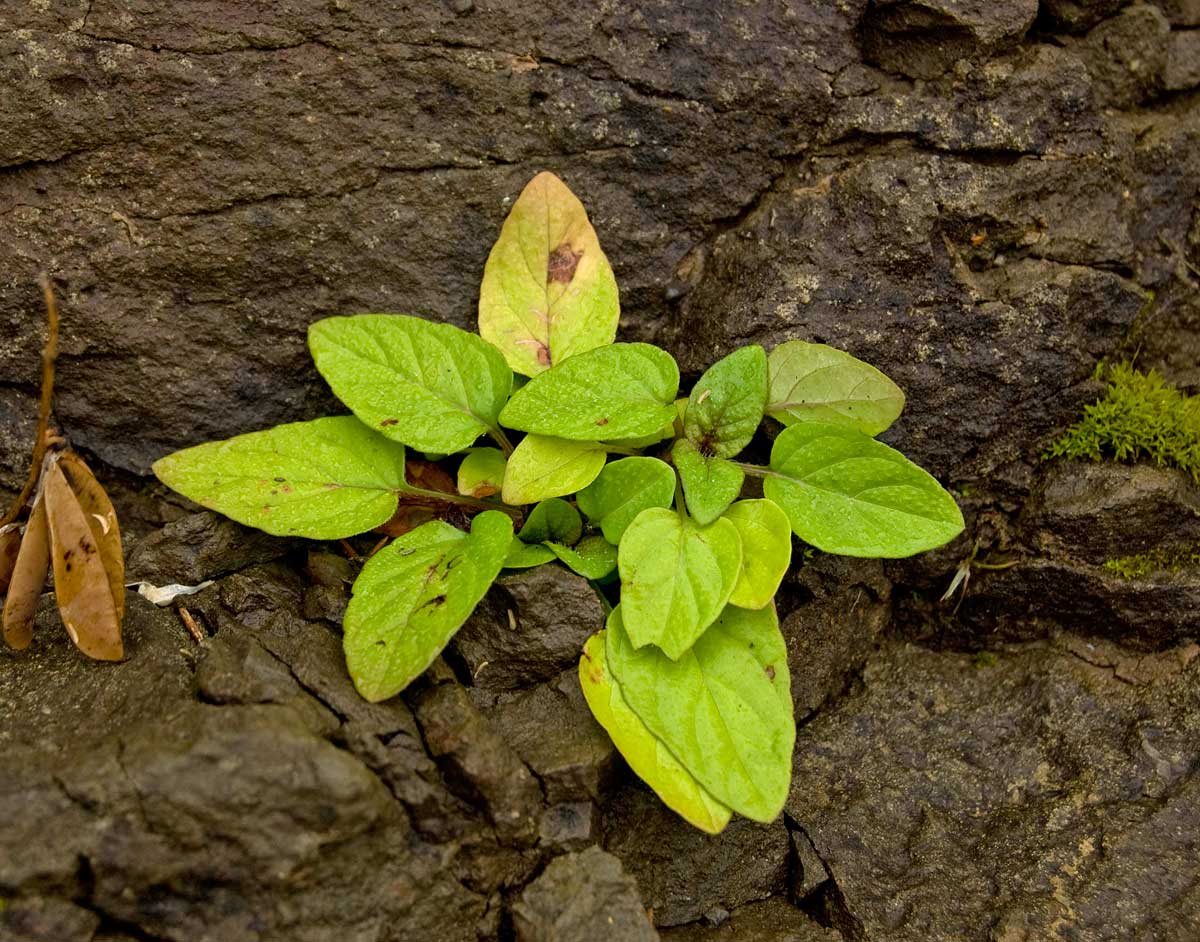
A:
<point x="690" y="675"/>
<point x="1158" y="559"/>
<point x="1141" y="416"/>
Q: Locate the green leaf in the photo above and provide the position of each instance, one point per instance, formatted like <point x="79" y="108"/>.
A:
<point x="431" y="386"/>
<point x="414" y="594"/>
<point x="593" y="557"/>
<point x="623" y="490"/>
<point x="726" y="405"/>
<point x="619" y="391"/>
<point x="552" y="520"/>
<point x="646" y="754"/>
<point x="724" y="709"/>
<point x="325" y="479"/>
<point x="542" y="467"/>
<point x="522" y="555"/>
<point x="548" y="292"/>
<point x="481" y="473"/>
<point x="811" y="382"/>
<point x="676" y="576"/>
<point x="709" y="484"/>
<point x="766" y="551"/>
<point x="846" y="493"/>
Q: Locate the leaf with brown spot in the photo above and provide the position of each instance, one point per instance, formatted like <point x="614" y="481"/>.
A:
<point x="102" y="521"/>
<point x="81" y="584"/>
<point x="548" y="292"/>
<point x="28" y="580"/>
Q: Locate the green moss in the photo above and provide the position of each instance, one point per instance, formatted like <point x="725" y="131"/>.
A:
<point x="1142" y="417"/>
<point x="982" y="659"/>
<point x="1159" y="559"/>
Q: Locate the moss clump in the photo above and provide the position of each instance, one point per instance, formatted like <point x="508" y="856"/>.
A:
<point x="1141" y="417"/>
<point x="1159" y="559"/>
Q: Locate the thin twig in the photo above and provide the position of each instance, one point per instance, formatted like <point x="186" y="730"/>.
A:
<point x="49" y="354"/>
<point x="190" y="624"/>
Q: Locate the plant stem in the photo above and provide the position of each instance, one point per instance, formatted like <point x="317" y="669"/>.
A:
<point x="462" y="500"/>
<point x="501" y="439"/>
<point x="49" y="354"/>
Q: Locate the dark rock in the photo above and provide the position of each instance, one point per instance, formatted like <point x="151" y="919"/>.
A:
<point x="1127" y="56"/>
<point x="326" y="602"/>
<point x="569" y="826"/>
<point x="529" y="628"/>
<point x="834" y="610"/>
<point x="198" y="547"/>
<point x="1180" y="12"/>
<point x="682" y="872"/>
<point x="1183" y="62"/>
<point x="479" y="765"/>
<point x="1080" y="15"/>
<point x="34" y="919"/>
<point x="329" y="569"/>
<point x="772" y="920"/>
<point x="551" y="728"/>
<point x="922" y="38"/>
<point x="583" y="897"/>
<point x="1028" y="795"/>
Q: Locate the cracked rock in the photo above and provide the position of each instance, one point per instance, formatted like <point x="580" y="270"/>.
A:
<point x="200" y="546"/>
<point x="771" y="920"/>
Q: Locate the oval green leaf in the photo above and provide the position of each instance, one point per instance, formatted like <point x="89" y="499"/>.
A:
<point x="766" y="551"/>
<point x="709" y="484"/>
<point x="619" y="391"/>
<point x="593" y="557"/>
<point x="676" y="576"/>
<point x="431" y="386"/>
<point x="325" y="479"/>
<point x="414" y="594"/>
<point x="812" y="382"/>
<point x="552" y="520"/>
<point x="623" y="490"/>
<point x="481" y="473"/>
<point x="846" y="493"/>
<point x="548" y="292"/>
<point x="726" y="405"/>
<point x="542" y="467"/>
<point x="646" y="754"/>
<point x="724" y="709"/>
<point x="522" y="555"/>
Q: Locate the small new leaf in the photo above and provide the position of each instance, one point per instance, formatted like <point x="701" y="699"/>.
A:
<point x="433" y="387"/>
<point x="724" y="709"/>
<point x="552" y="520"/>
<point x="543" y="467"/>
<point x="846" y="493"/>
<point x="811" y="382"/>
<point x="548" y="292"/>
<point x="726" y="405"/>
<point x="325" y="479"/>
<point x="414" y="594"/>
<point x="623" y="490"/>
<point x="620" y="391"/>
<point x="676" y="576"/>
<point x="593" y="557"/>
<point x="481" y="473"/>
<point x="766" y="551"/>
<point x="709" y="484"/>
<point x="646" y="754"/>
<point x="522" y="555"/>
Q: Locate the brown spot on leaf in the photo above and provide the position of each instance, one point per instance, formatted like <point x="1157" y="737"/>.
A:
<point x="603" y="421"/>
<point x="770" y="671"/>
<point x="484" y="490"/>
<point x="386" y="422"/>
<point x="560" y="267"/>
<point x="287" y="488"/>
<point x="434" y="602"/>
<point x="543" y="354"/>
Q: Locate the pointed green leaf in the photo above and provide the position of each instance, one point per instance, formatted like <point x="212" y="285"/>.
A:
<point x="646" y="754"/>
<point x="431" y="386"/>
<point x="709" y="484"/>
<point x="548" y="292"/>
<point x="676" y="576"/>
<point x="552" y="520"/>
<point x="414" y="594"/>
<point x="325" y="479"/>
<point x="726" y="405"/>
<point x="766" y="551"/>
<point x="623" y="490"/>
<point x="593" y="557"/>
<point x="724" y="709"/>
<point x="522" y="555"/>
<point x="481" y="473"/>
<point x="811" y="382"/>
<point x="542" y="467"/>
<point x="846" y="493"/>
<point x="619" y="391"/>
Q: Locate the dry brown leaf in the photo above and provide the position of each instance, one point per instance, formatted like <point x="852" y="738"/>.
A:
<point x="28" y="580"/>
<point x="426" y="474"/>
<point x="102" y="521"/>
<point x="85" y="599"/>
<point x="10" y="546"/>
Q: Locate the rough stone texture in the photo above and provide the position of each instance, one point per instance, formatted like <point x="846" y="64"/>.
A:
<point x="198" y="547"/>
<point x="772" y="920"/>
<point x="1028" y="796"/>
<point x="584" y="897"/>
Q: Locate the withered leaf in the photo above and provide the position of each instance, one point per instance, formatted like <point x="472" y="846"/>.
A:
<point x="10" y="545"/>
<point x="85" y="599"/>
<point x="102" y="521"/>
<point x="28" y="580"/>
